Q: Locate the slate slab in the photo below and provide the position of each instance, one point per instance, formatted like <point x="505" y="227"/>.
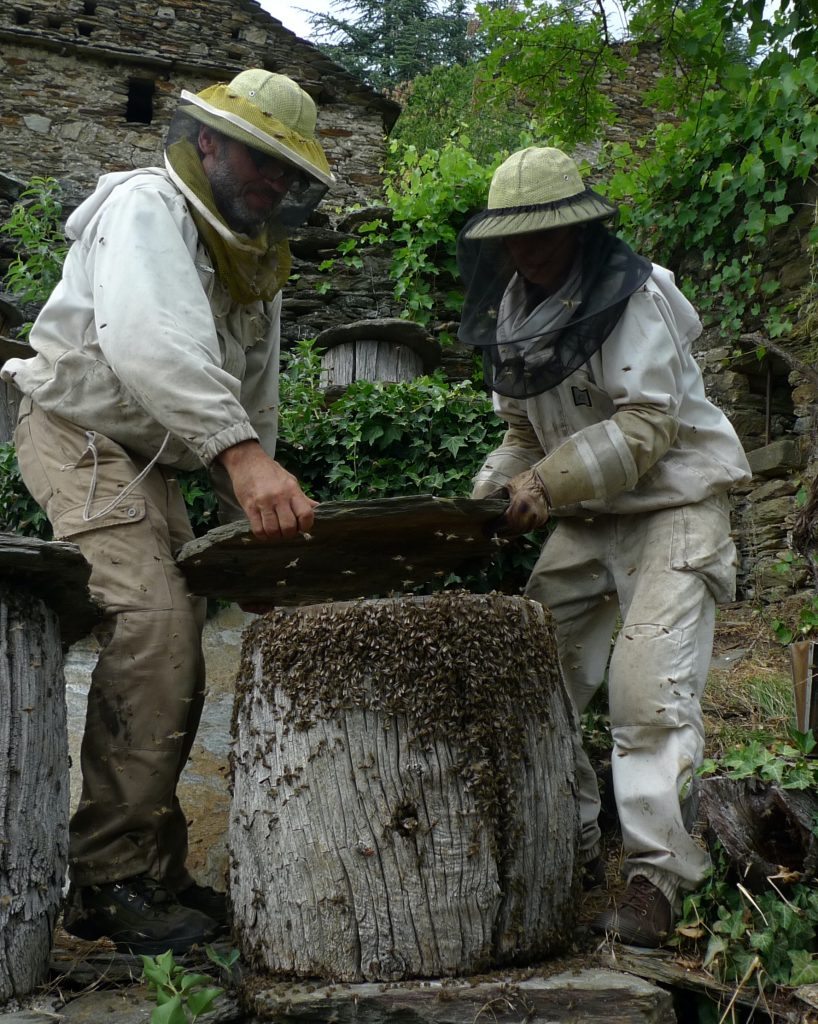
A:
<point x="57" y="573"/>
<point x="355" y="549"/>
<point x="591" y="996"/>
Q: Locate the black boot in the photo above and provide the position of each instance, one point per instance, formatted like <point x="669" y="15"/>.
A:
<point x="206" y="900"/>
<point x="138" y="914"/>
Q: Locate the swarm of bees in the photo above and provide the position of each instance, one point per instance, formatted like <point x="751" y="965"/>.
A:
<point x="471" y="670"/>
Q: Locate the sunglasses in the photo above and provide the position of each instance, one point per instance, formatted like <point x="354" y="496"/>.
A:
<point x="274" y="170"/>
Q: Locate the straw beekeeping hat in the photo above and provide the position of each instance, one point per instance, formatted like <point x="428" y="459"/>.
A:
<point x="267" y="112"/>
<point x="537" y="189"/>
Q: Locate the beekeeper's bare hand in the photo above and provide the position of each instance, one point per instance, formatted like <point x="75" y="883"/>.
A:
<point x="271" y="498"/>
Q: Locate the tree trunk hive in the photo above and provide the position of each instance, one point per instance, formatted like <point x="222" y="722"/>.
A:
<point x="33" y="789"/>
<point x="404" y="801"/>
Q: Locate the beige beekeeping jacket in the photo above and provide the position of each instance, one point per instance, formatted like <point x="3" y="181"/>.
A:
<point x="140" y="342"/>
<point x="630" y="431"/>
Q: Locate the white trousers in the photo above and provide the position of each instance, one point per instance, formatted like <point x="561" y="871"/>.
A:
<point x="662" y="573"/>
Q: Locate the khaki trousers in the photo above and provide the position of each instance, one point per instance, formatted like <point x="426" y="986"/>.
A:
<point x="661" y="573"/>
<point x="147" y="688"/>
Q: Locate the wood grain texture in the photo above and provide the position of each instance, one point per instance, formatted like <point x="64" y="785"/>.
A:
<point x="33" y="789"/>
<point x="57" y="573"/>
<point x="588" y="996"/>
<point x="403" y="789"/>
<point x="355" y="549"/>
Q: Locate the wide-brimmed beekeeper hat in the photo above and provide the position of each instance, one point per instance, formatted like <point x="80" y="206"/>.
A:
<point x="537" y="189"/>
<point x="268" y="112"/>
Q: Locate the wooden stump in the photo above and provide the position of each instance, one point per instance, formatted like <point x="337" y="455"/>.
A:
<point x="403" y="789"/>
<point x="381" y="349"/>
<point x="766" y="831"/>
<point x="33" y="789"/>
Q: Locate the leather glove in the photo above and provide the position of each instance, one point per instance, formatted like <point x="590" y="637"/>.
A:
<point x="528" y="507"/>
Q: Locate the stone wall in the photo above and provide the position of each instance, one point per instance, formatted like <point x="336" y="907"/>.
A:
<point x="88" y="87"/>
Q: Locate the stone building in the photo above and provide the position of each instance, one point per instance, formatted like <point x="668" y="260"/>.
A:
<point x="88" y="86"/>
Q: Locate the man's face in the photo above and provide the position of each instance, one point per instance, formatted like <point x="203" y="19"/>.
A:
<point x="247" y="185"/>
<point x="545" y="257"/>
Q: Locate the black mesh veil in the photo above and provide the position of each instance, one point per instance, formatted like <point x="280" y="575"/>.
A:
<point x="526" y="352"/>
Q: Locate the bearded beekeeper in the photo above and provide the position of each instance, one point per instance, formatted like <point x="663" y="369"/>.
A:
<point x="587" y="350"/>
<point x="159" y="351"/>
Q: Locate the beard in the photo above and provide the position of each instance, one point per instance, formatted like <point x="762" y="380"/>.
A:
<point x="231" y="204"/>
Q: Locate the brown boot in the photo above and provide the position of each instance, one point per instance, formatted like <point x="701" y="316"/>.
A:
<point x="643" y="915"/>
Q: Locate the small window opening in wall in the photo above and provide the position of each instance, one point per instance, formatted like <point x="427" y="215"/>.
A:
<point x="235" y="33"/>
<point x="21" y="16"/>
<point x="84" y="28"/>
<point x="53" y="21"/>
<point x="140" y="100"/>
<point x="89" y="7"/>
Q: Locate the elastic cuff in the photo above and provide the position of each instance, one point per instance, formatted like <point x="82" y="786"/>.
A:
<point x="225" y="439"/>
<point x="591" y="853"/>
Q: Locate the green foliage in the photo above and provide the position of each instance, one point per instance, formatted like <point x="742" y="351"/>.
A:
<point x="380" y="440"/>
<point x="415" y="437"/>
<point x="19" y="512"/>
<point x="787" y="763"/>
<point x="200" y="500"/>
<point x="182" y="995"/>
<point x="388" y="44"/>
<point x="716" y="185"/>
<point x="431" y="196"/>
<point x="450" y="103"/>
<point x="34" y="229"/>
<point x="552" y="58"/>
<point x="771" y="934"/>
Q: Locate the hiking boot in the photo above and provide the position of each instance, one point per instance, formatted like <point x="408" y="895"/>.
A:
<point x="205" y="900"/>
<point x="138" y="914"/>
<point x="642" y="917"/>
<point x="593" y="874"/>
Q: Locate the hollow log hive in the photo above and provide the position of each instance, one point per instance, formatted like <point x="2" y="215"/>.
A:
<point x="404" y="800"/>
<point x="33" y="789"/>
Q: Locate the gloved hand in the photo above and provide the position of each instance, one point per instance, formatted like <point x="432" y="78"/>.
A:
<point x="528" y="507"/>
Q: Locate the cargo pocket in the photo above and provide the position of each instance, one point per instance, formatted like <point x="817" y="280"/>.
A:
<point x="702" y="545"/>
<point x="128" y="560"/>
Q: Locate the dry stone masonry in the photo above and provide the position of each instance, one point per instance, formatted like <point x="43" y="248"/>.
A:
<point x="90" y="86"/>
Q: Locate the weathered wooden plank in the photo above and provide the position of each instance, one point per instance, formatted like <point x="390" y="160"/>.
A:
<point x="666" y="968"/>
<point x="33" y="789"/>
<point x="54" y="571"/>
<point x="404" y="801"/>
<point x="356" y="549"/>
<point x="578" y="997"/>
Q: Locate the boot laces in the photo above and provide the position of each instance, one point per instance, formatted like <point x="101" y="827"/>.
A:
<point x="148" y="890"/>
<point x="640" y="895"/>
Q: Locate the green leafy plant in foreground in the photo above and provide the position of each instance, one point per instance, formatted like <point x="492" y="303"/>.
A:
<point x="785" y="763"/>
<point x="35" y="230"/>
<point x="19" y="512"/>
<point x="768" y="938"/>
<point x="182" y="995"/>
